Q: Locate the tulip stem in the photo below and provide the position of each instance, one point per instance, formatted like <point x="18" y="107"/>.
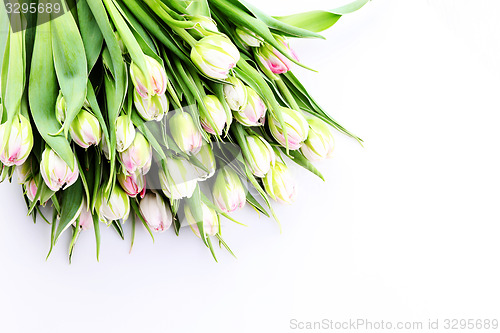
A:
<point x="286" y="92"/>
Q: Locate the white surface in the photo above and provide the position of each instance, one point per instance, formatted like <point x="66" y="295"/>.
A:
<point x="405" y="228"/>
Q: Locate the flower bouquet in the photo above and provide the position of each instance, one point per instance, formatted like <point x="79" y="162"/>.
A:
<point x="166" y="113"/>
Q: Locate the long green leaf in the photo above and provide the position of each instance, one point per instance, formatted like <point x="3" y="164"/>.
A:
<point x="43" y="92"/>
<point x="72" y="204"/>
<point x="70" y="64"/>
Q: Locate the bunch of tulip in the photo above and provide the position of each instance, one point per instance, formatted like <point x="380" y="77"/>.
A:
<point x="169" y="112"/>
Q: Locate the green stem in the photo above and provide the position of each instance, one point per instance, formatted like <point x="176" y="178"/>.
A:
<point x="287" y="94"/>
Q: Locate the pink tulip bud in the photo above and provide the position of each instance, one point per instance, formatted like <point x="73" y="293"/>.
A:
<point x="85" y="130"/>
<point x="133" y="184"/>
<point x="31" y="189"/>
<point x="125" y="133"/>
<point x="16" y="147"/>
<point x="152" y="108"/>
<point x="155" y="212"/>
<point x="228" y="192"/>
<point x="320" y="143"/>
<point x="185" y="133"/>
<point x="55" y="172"/>
<point x="157" y="78"/>
<point x="271" y="61"/>
<point x="218" y="114"/>
<point x="86" y="221"/>
<point x="296" y="125"/>
<point x="280" y="185"/>
<point x="24" y="171"/>
<point x="138" y="156"/>
<point x="214" y="56"/>
<point x="211" y="220"/>
<point x="254" y="114"/>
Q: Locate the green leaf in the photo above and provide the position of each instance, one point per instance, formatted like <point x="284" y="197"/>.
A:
<point x="43" y="92"/>
<point x="199" y="7"/>
<point x="97" y="233"/>
<point x="91" y="35"/>
<point x="118" y="228"/>
<point x="255" y="204"/>
<point x="70" y="64"/>
<point x="316" y="20"/>
<point x="72" y="204"/>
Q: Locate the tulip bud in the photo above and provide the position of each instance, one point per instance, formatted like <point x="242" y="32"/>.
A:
<point x="296" y="125"/>
<point x="15" y="148"/>
<point x="152" y="108"/>
<point x="31" y="189"/>
<point x="248" y="38"/>
<point x="155" y="212"/>
<point x="133" y="184"/>
<point x="214" y="56"/>
<point x="261" y="155"/>
<point x="204" y="26"/>
<point x="86" y="221"/>
<point x="60" y="108"/>
<point x="24" y="172"/>
<point x="271" y="61"/>
<point x="55" y="172"/>
<point x="117" y="208"/>
<point x="235" y="93"/>
<point x="125" y="133"/>
<point x="280" y="185"/>
<point x="218" y="114"/>
<point x="206" y="157"/>
<point x="211" y="221"/>
<point x="85" y="130"/>
<point x="228" y="192"/>
<point x="138" y="156"/>
<point x="254" y="113"/>
<point x="184" y="132"/>
<point x="157" y="78"/>
<point x="180" y="180"/>
<point x="320" y="143"/>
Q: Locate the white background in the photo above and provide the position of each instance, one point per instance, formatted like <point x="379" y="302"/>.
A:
<point x="406" y="228"/>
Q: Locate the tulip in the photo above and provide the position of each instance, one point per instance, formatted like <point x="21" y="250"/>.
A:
<point x="296" y="126"/>
<point x="228" y="191"/>
<point x="24" y="172"/>
<point x="155" y="212"/>
<point x="138" y="156"/>
<point x="248" y="38"/>
<point x="254" y="114"/>
<point x="214" y="56"/>
<point x="280" y="185"/>
<point x="211" y="221"/>
<point x="157" y="78"/>
<point x="133" y="184"/>
<point x="86" y="221"/>
<point x="235" y="94"/>
<point x="184" y="132"/>
<point x="218" y="114"/>
<point x="31" y="189"/>
<point x="206" y="157"/>
<point x="180" y="180"/>
<point x="117" y="208"/>
<point x="320" y="143"/>
<point x="55" y="172"/>
<point x="152" y="108"/>
<point x="271" y="61"/>
<point x="85" y="130"/>
<point x="60" y="108"/>
<point x="261" y="155"/>
<point x="125" y="133"/>
<point x="203" y="26"/>
<point x="15" y="148"/>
